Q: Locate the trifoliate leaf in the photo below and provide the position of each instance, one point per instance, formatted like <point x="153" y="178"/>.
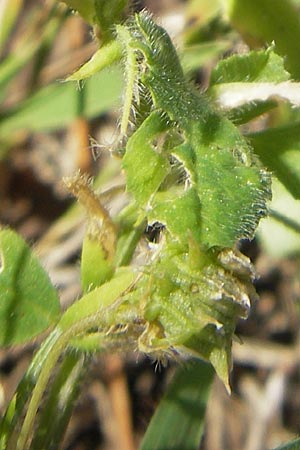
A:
<point x="216" y="160"/>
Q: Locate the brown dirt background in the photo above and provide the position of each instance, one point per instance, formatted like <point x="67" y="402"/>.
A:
<point x="121" y="392"/>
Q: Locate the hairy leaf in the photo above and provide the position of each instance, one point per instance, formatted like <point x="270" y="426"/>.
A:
<point x="192" y="303"/>
<point x="250" y="110"/>
<point x="259" y="66"/>
<point x="145" y="167"/>
<point x="248" y="84"/>
<point x="208" y="191"/>
<point x="217" y="162"/>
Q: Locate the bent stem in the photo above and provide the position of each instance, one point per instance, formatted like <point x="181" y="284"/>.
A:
<point x="62" y="340"/>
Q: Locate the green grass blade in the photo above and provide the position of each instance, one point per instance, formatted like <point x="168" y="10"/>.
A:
<point x="59" y="404"/>
<point x="27" y="49"/>
<point x="279" y="150"/>
<point x="179" y="420"/>
<point x="10" y="10"/>
<point x="197" y="55"/>
<point x="287" y="221"/>
<point x="265" y="21"/>
<point x="55" y="106"/>
<point x="9" y="423"/>
<point x="279" y="233"/>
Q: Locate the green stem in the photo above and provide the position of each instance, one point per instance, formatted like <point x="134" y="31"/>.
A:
<point x="131" y="73"/>
<point x="284" y="220"/>
<point x="128" y="244"/>
<point x="61" y="342"/>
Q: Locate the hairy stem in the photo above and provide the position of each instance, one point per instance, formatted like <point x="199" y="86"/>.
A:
<point x="131" y="73"/>
<point x="61" y="342"/>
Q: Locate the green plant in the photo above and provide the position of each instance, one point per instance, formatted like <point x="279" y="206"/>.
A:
<point x="188" y="168"/>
